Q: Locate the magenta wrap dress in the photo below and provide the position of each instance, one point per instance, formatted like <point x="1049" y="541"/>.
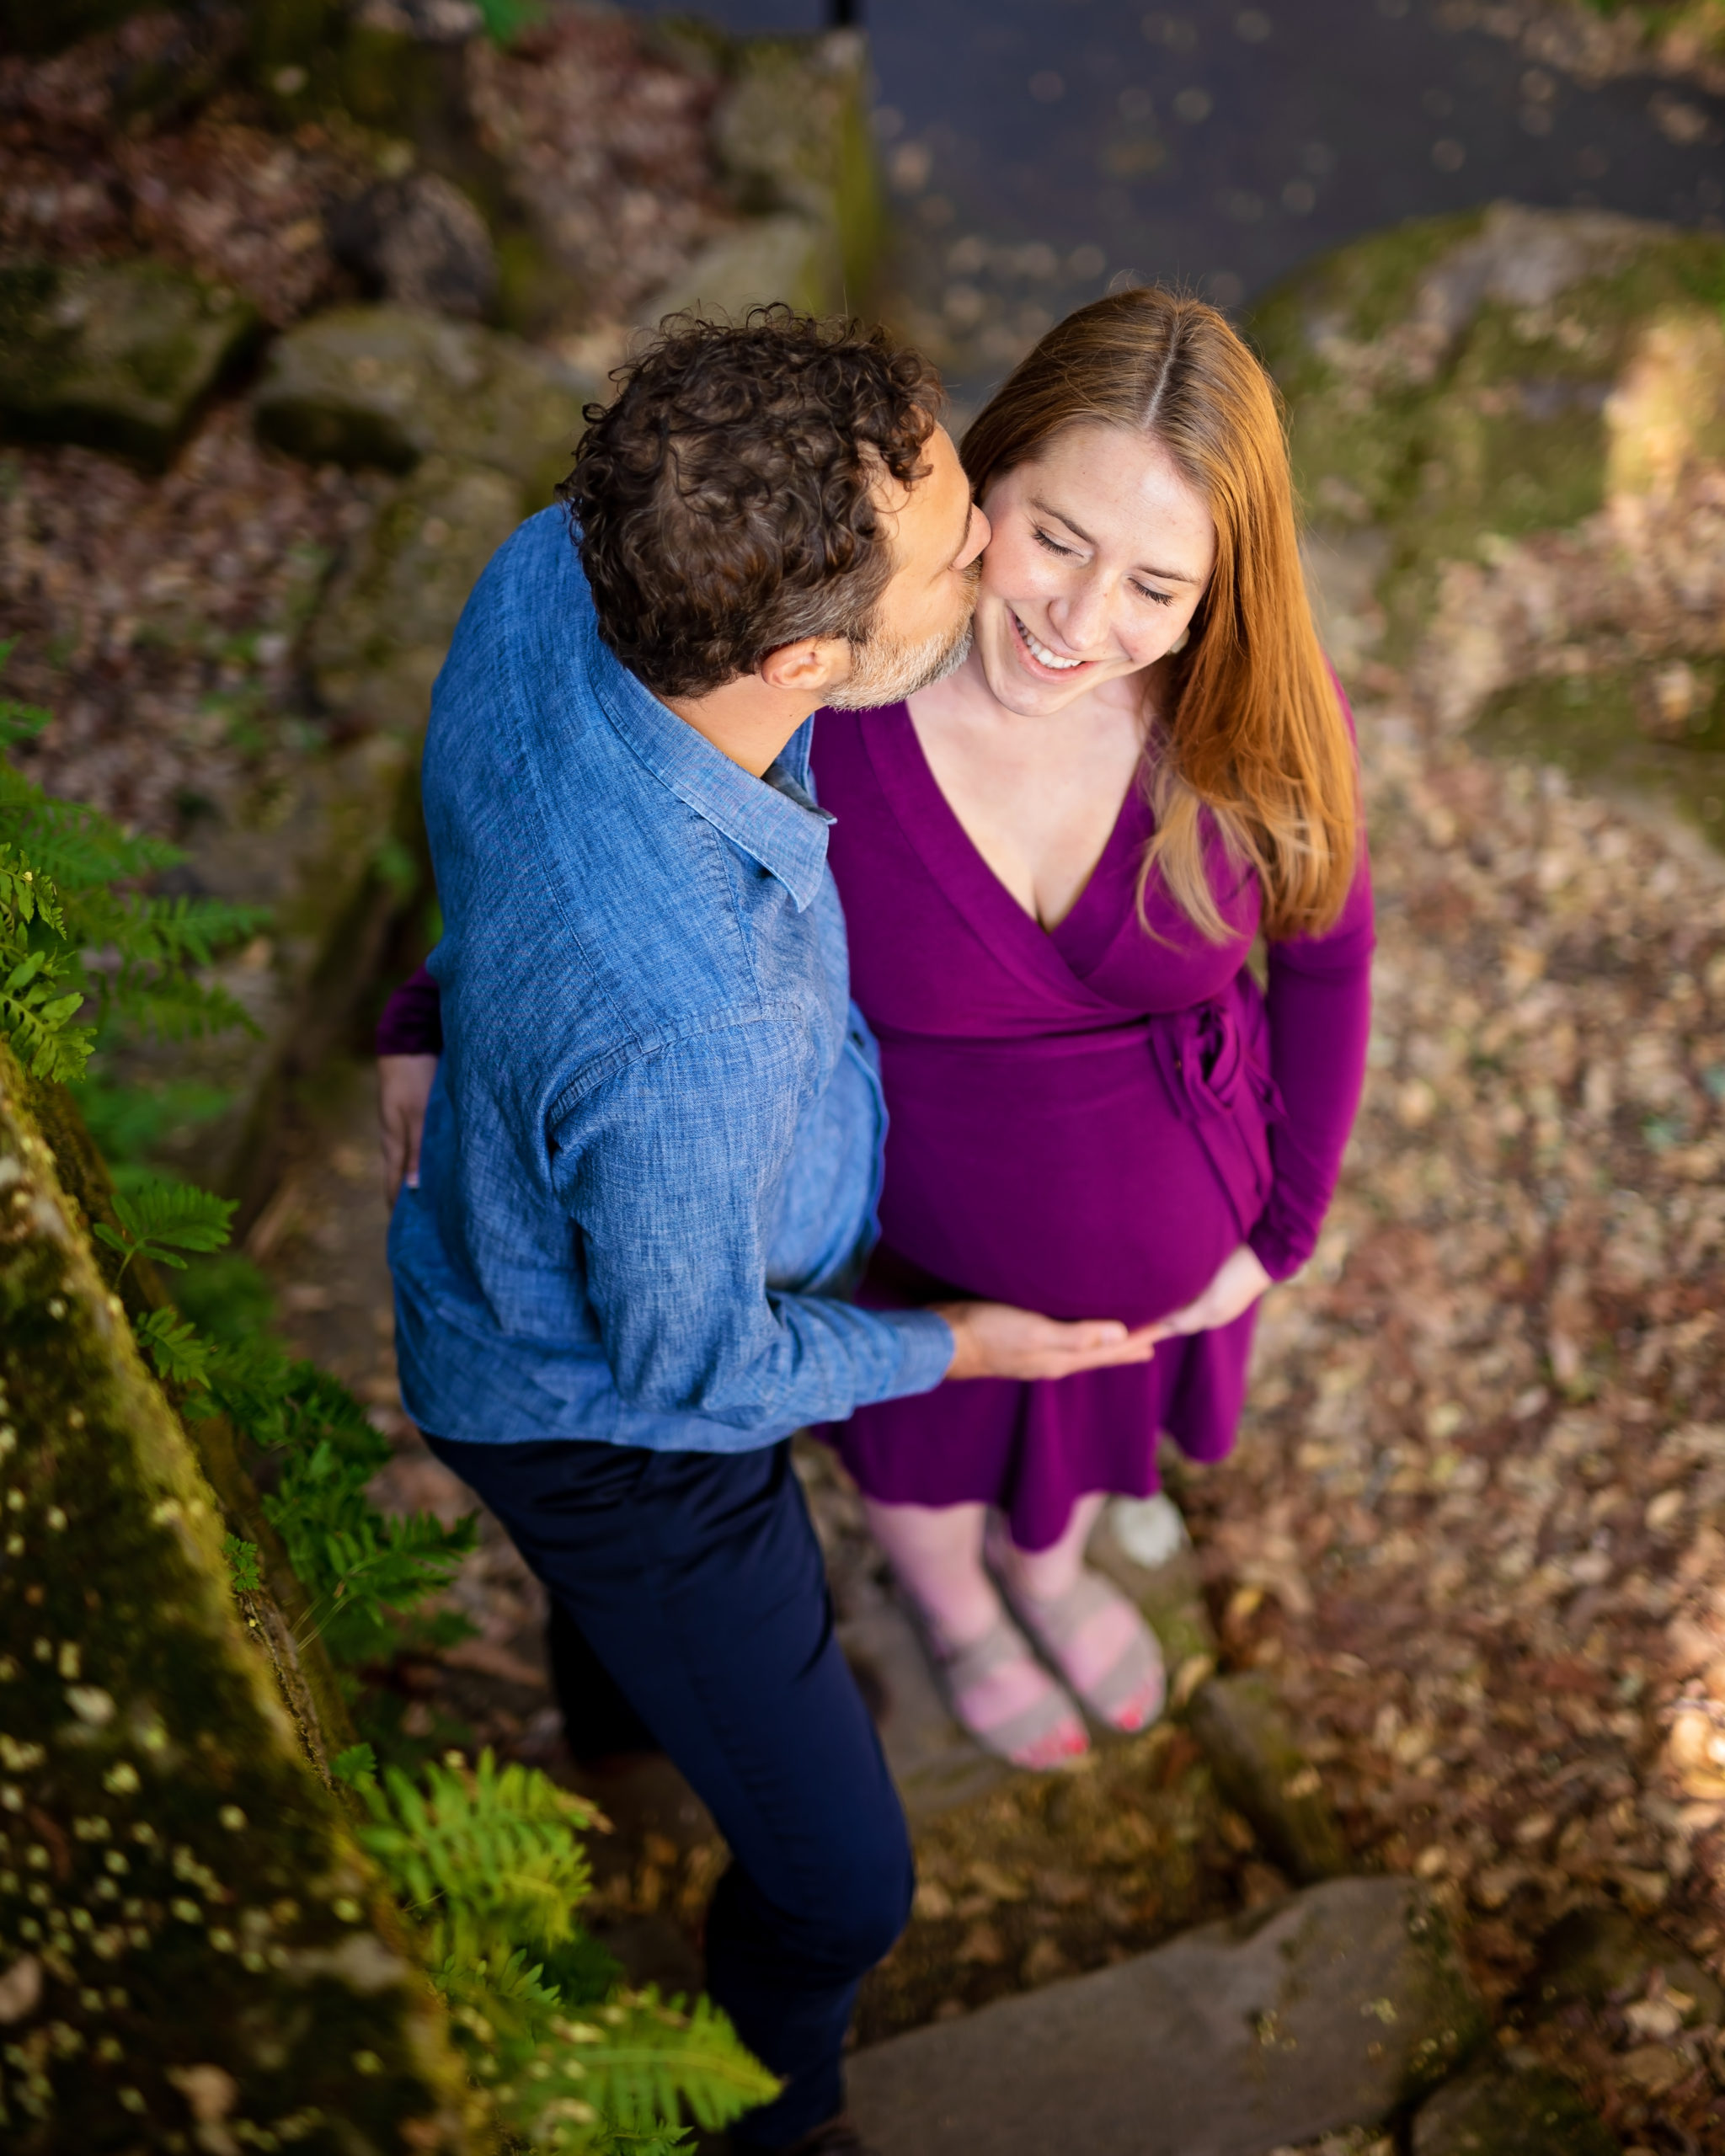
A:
<point x="1084" y="1121"/>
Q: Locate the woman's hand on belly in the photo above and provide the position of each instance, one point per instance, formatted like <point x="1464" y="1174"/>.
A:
<point x="1239" y="1281"/>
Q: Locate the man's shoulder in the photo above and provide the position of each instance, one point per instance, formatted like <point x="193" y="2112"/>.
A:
<point x="531" y="600"/>
<point x="515" y="689"/>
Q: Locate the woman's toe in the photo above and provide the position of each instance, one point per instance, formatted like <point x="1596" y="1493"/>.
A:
<point x="1141" y="1710"/>
<point x="1069" y="1742"/>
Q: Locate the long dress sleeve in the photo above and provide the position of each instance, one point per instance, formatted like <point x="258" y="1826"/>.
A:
<point x="1320" y="1019"/>
<point x="412" y="1021"/>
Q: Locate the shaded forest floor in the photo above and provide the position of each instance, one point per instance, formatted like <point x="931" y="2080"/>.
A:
<point x="1469" y="1523"/>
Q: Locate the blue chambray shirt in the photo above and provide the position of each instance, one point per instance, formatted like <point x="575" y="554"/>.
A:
<point x="653" y="1149"/>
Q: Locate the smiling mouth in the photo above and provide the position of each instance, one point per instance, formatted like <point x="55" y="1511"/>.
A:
<point x="1048" y="661"/>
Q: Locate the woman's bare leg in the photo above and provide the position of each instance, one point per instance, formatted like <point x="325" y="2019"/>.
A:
<point x="936" y="1553"/>
<point x="1045" y="1575"/>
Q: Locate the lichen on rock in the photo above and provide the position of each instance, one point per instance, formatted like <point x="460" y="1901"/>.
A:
<point x="193" y="1950"/>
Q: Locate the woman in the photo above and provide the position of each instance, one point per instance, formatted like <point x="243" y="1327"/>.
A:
<point x="1054" y="865"/>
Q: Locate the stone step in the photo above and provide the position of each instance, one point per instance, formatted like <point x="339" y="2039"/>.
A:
<point x="1339" y="2008"/>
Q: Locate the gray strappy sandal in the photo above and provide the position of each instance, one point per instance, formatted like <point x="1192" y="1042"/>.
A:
<point x="1016" y="1738"/>
<point x="1138" y="1671"/>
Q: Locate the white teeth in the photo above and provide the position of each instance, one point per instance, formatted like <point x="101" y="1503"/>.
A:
<point x="1040" y="651"/>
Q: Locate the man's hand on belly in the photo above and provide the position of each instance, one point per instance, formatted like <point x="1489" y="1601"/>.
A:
<point x="995" y="1340"/>
<point x="1240" y="1280"/>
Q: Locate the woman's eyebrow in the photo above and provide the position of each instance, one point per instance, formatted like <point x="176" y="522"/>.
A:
<point x="1060" y="516"/>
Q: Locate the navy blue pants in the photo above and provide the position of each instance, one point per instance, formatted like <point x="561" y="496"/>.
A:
<point x="696" y="1580"/>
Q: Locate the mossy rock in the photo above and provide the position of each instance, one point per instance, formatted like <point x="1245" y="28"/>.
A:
<point x="118" y="356"/>
<point x="1262" y="1771"/>
<point x="385" y="386"/>
<point x="384" y="628"/>
<point x="1595" y="1955"/>
<point x="1491" y="2111"/>
<point x="793" y="144"/>
<point x="785" y="258"/>
<point x="193" y="1953"/>
<point x="1609" y="731"/>
<point x="792" y="134"/>
<point x="1448" y="381"/>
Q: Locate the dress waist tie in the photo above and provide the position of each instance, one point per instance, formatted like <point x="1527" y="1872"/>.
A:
<point x="1216" y="1073"/>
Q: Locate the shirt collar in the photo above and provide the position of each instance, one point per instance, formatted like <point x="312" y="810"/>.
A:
<point x="774" y="820"/>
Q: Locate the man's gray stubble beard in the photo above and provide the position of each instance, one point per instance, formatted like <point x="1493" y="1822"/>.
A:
<point x="887" y="673"/>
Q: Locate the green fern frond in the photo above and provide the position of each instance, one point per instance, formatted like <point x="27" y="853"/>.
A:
<point x="356" y="1766"/>
<point x="69" y="873"/>
<point x="37" y="1006"/>
<point x="171" y="1004"/>
<point x="27" y="893"/>
<point x="77" y="845"/>
<point x="643" y="2059"/>
<point x="187" y="932"/>
<point x="362" y="1569"/>
<point x="159" y="1219"/>
<point x="249" y="1381"/>
<point x="243" y="1567"/>
<point x="180" y="1356"/>
<point x="487" y="1853"/>
<point x="490" y="1858"/>
<point x="17" y="722"/>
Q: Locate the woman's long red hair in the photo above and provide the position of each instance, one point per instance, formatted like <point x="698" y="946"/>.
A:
<point x="1254" y="732"/>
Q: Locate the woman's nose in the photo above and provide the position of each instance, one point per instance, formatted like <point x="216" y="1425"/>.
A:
<point x="1082" y="617"/>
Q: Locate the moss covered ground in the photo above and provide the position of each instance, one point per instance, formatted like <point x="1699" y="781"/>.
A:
<point x="1505" y="411"/>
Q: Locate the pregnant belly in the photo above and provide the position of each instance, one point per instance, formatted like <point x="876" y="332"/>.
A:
<point x="1050" y="1173"/>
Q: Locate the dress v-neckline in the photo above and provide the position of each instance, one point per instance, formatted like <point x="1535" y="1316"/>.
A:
<point x="1047" y="958"/>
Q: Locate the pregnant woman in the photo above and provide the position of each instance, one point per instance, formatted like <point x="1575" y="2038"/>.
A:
<point x="1054" y="864"/>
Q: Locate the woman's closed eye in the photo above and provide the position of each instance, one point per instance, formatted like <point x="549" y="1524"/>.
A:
<point x="1071" y="554"/>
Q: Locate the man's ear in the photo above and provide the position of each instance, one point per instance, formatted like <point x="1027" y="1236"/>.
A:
<point x="808" y="665"/>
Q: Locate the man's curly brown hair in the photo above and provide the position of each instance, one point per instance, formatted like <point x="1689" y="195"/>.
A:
<point x="724" y="502"/>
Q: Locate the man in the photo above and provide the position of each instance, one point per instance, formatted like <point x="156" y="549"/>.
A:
<point x="652" y="1148"/>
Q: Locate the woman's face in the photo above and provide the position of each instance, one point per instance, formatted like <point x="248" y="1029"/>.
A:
<point x="1100" y="554"/>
